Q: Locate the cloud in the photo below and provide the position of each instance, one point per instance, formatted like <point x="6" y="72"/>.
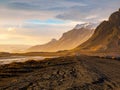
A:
<point x="38" y="21"/>
<point x="42" y="9"/>
<point x="62" y="9"/>
<point x="94" y="11"/>
<point x="41" y="4"/>
<point x="91" y="17"/>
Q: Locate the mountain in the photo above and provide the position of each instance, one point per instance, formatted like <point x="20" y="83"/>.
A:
<point x="44" y="47"/>
<point x="86" y="25"/>
<point x="69" y="40"/>
<point x="106" y="37"/>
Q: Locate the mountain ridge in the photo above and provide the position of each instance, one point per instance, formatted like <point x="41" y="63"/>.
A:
<point x="68" y="40"/>
<point x="88" y="25"/>
<point x="106" y="37"/>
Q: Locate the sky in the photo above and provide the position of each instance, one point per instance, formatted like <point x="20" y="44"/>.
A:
<point x="32" y="22"/>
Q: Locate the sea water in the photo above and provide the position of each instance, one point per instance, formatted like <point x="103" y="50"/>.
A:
<point x="7" y="60"/>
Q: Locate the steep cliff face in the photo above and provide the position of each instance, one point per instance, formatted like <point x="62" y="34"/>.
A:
<point x="106" y="36"/>
<point x="69" y="40"/>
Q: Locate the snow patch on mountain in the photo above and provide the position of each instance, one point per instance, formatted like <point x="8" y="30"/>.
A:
<point x="86" y="26"/>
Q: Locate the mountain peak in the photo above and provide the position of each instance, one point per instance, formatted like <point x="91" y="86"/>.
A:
<point x="53" y="40"/>
<point x="115" y="18"/>
<point x="86" y="26"/>
<point x="106" y="37"/>
<point x="67" y="41"/>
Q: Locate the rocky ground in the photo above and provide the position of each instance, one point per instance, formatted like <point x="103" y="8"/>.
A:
<point x="63" y="73"/>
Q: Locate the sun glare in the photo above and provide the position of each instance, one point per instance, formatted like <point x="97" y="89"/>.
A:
<point x="11" y="29"/>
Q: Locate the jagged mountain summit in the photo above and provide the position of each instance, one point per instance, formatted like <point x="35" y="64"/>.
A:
<point x="69" y="40"/>
<point x="106" y="37"/>
<point x="86" y="25"/>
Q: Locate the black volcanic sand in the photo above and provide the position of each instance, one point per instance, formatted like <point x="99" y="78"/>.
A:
<point x="63" y="73"/>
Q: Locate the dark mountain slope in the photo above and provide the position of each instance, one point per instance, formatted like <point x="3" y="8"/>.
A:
<point x="106" y="37"/>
